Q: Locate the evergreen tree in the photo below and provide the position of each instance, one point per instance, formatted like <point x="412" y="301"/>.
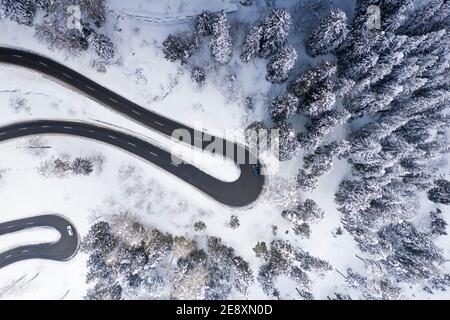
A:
<point x="198" y="75"/>
<point x="250" y="47"/>
<point x="306" y="181"/>
<point x="203" y="23"/>
<point x="82" y="166"/>
<point x="320" y="161"/>
<point x="288" y="145"/>
<point x="266" y="38"/>
<point x="276" y="28"/>
<point x="320" y="126"/>
<point x="410" y="254"/>
<point x="329" y="34"/>
<point x="20" y="11"/>
<point x="315" y="89"/>
<point x="221" y="47"/>
<point x="180" y="47"/>
<point x="95" y="10"/>
<point x="281" y="64"/>
<point x="283" y="107"/>
<point x="438" y="224"/>
<point x="441" y="192"/>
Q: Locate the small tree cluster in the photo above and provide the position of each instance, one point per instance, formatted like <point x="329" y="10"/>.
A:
<point x="284" y="260"/>
<point x="266" y="38"/>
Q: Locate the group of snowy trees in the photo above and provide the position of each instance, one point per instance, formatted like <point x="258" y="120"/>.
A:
<point x="313" y="94"/>
<point x="214" y="25"/>
<point x="401" y="82"/>
<point x="282" y="259"/>
<point x="392" y="86"/>
<point x="55" y="28"/>
<point x="304" y="214"/>
<point x="268" y="39"/>
<point x="128" y="260"/>
<point x="60" y="167"/>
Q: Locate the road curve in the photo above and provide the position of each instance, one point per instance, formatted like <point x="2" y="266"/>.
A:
<point x="235" y="193"/>
<point x="241" y="192"/>
<point x="62" y="250"/>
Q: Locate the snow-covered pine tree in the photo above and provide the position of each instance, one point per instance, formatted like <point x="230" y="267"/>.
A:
<point x="203" y="23"/>
<point x="305" y="180"/>
<point x="288" y="145"/>
<point x="320" y="161"/>
<point x="321" y="125"/>
<point x="82" y="166"/>
<point x="440" y="193"/>
<point x="438" y="224"/>
<point x="283" y="107"/>
<point x="281" y="64"/>
<point x="251" y="45"/>
<point x="308" y="211"/>
<point x="409" y="254"/>
<point x="95" y="10"/>
<point x="275" y="31"/>
<point x="329" y="34"/>
<point x="312" y="80"/>
<point x="198" y="75"/>
<point x="20" y="11"/>
<point x="220" y="44"/>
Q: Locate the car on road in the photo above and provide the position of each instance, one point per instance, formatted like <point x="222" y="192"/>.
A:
<point x="256" y="170"/>
<point x="70" y="231"/>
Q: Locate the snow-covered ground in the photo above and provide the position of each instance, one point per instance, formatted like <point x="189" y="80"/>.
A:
<point x="123" y="183"/>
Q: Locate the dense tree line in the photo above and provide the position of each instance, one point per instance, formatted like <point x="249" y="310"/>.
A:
<point x="128" y="260"/>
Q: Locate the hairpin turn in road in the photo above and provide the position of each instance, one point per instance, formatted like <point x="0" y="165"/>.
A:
<point x="241" y="192"/>
<point x="62" y="250"/>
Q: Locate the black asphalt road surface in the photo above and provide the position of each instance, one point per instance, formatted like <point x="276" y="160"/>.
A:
<point x="62" y="250"/>
<point x="241" y="192"/>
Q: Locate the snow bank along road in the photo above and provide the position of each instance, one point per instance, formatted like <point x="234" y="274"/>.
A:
<point x="62" y="250"/>
<point x="241" y="192"/>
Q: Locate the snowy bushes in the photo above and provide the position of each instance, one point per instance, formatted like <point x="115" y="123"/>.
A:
<point x="181" y="46"/>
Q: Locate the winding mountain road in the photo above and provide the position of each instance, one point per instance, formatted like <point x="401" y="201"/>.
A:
<point x="241" y="192"/>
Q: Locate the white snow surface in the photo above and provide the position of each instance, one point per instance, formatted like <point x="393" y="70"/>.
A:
<point x="126" y="183"/>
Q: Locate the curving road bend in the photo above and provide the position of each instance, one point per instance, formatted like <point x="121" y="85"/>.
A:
<point x="236" y="193"/>
<point x="62" y="250"/>
<point x="241" y="192"/>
